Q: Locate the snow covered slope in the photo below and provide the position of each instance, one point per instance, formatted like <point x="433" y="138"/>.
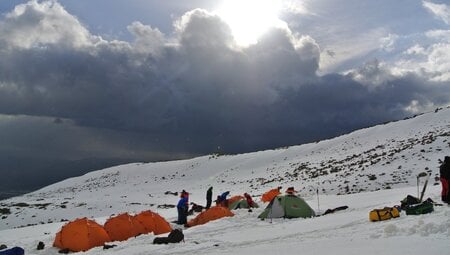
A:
<point x="369" y="168"/>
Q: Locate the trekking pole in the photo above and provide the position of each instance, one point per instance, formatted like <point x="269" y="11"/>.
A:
<point x="422" y="174"/>
<point x="424" y="187"/>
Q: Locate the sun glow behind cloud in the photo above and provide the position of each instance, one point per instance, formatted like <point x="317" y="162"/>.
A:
<point x="249" y="19"/>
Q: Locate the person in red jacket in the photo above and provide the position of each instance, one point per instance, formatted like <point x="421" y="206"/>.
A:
<point x="249" y="200"/>
<point x="444" y="170"/>
<point x="290" y="191"/>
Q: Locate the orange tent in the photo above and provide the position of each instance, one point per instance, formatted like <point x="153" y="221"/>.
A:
<point x="212" y="213"/>
<point x="122" y="227"/>
<point x="269" y="195"/>
<point x="153" y="222"/>
<point x="81" y="235"/>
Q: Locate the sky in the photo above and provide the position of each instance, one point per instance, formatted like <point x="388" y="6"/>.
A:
<point x="157" y="80"/>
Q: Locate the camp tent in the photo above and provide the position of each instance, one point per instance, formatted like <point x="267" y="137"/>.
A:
<point x="288" y="206"/>
<point x="269" y="195"/>
<point x="81" y="235"/>
<point x="153" y="222"/>
<point x="212" y="213"/>
<point x="234" y="199"/>
<point x="242" y="203"/>
<point x="123" y="226"/>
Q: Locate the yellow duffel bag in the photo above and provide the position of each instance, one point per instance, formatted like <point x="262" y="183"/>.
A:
<point x="384" y="214"/>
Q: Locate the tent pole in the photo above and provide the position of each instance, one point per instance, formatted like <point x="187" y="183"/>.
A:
<point x="418" y="186"/>
<point x="318" y="203"/>
<point x="317" y="191"/>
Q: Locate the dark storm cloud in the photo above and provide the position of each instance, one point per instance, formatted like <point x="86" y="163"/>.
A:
<point x="196" y="91"/>
<point x="60" y="139"/>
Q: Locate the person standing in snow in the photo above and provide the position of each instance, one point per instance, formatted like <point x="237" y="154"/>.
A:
<point x="209" y="197"/>
<point x="249" y="200"/>
<point x="183" y="207"/>
<point x="444" y="170"/>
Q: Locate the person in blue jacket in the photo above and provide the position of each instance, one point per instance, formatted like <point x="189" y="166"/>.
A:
<point x="224" y="195"/>
<point x="223" y="199"/>
<point x="182" y="208"/>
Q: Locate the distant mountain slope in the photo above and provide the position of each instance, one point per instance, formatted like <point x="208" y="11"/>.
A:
<point x="381" y="157"/>
<point x="25" y="174"/>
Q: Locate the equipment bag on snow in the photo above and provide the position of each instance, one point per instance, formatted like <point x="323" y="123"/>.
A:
<point x="408" y="201"/>
<point x="422" y="208"/>
<point x="384" y="214"/>
<point x="175" y="236"/>
<point x="13" y="251"/>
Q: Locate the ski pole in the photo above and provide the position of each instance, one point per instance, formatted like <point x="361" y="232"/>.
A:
<point x="422" y="174"/>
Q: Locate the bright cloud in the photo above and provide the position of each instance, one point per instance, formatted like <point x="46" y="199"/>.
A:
<point x="416" y="50"/>
<point x="430" y="59"/>
<point x="249" y="19"/>
<point x="147" y="39"/>
<point x="34" y="24"/>
<point x="441" y="11"/>
<point x="295" y="7"/>
<point x="388" y="43"/>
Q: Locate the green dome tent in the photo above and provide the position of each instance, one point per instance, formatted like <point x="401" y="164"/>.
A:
<point x="239" y="204"/>
<point x="288" y="206"/>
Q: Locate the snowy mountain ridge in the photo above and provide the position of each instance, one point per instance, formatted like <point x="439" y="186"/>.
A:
<point x="347" y="170"/>
<point x="381" y="157"/>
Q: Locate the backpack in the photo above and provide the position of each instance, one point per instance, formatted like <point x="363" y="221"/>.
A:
<point x="409" y="200"/>
<point x="161" y="240"/>
<point x="40" y="246"/>
<point x="176" y="236"/>
<point x="384" y="214"/>
<point x="422" y="208"/>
